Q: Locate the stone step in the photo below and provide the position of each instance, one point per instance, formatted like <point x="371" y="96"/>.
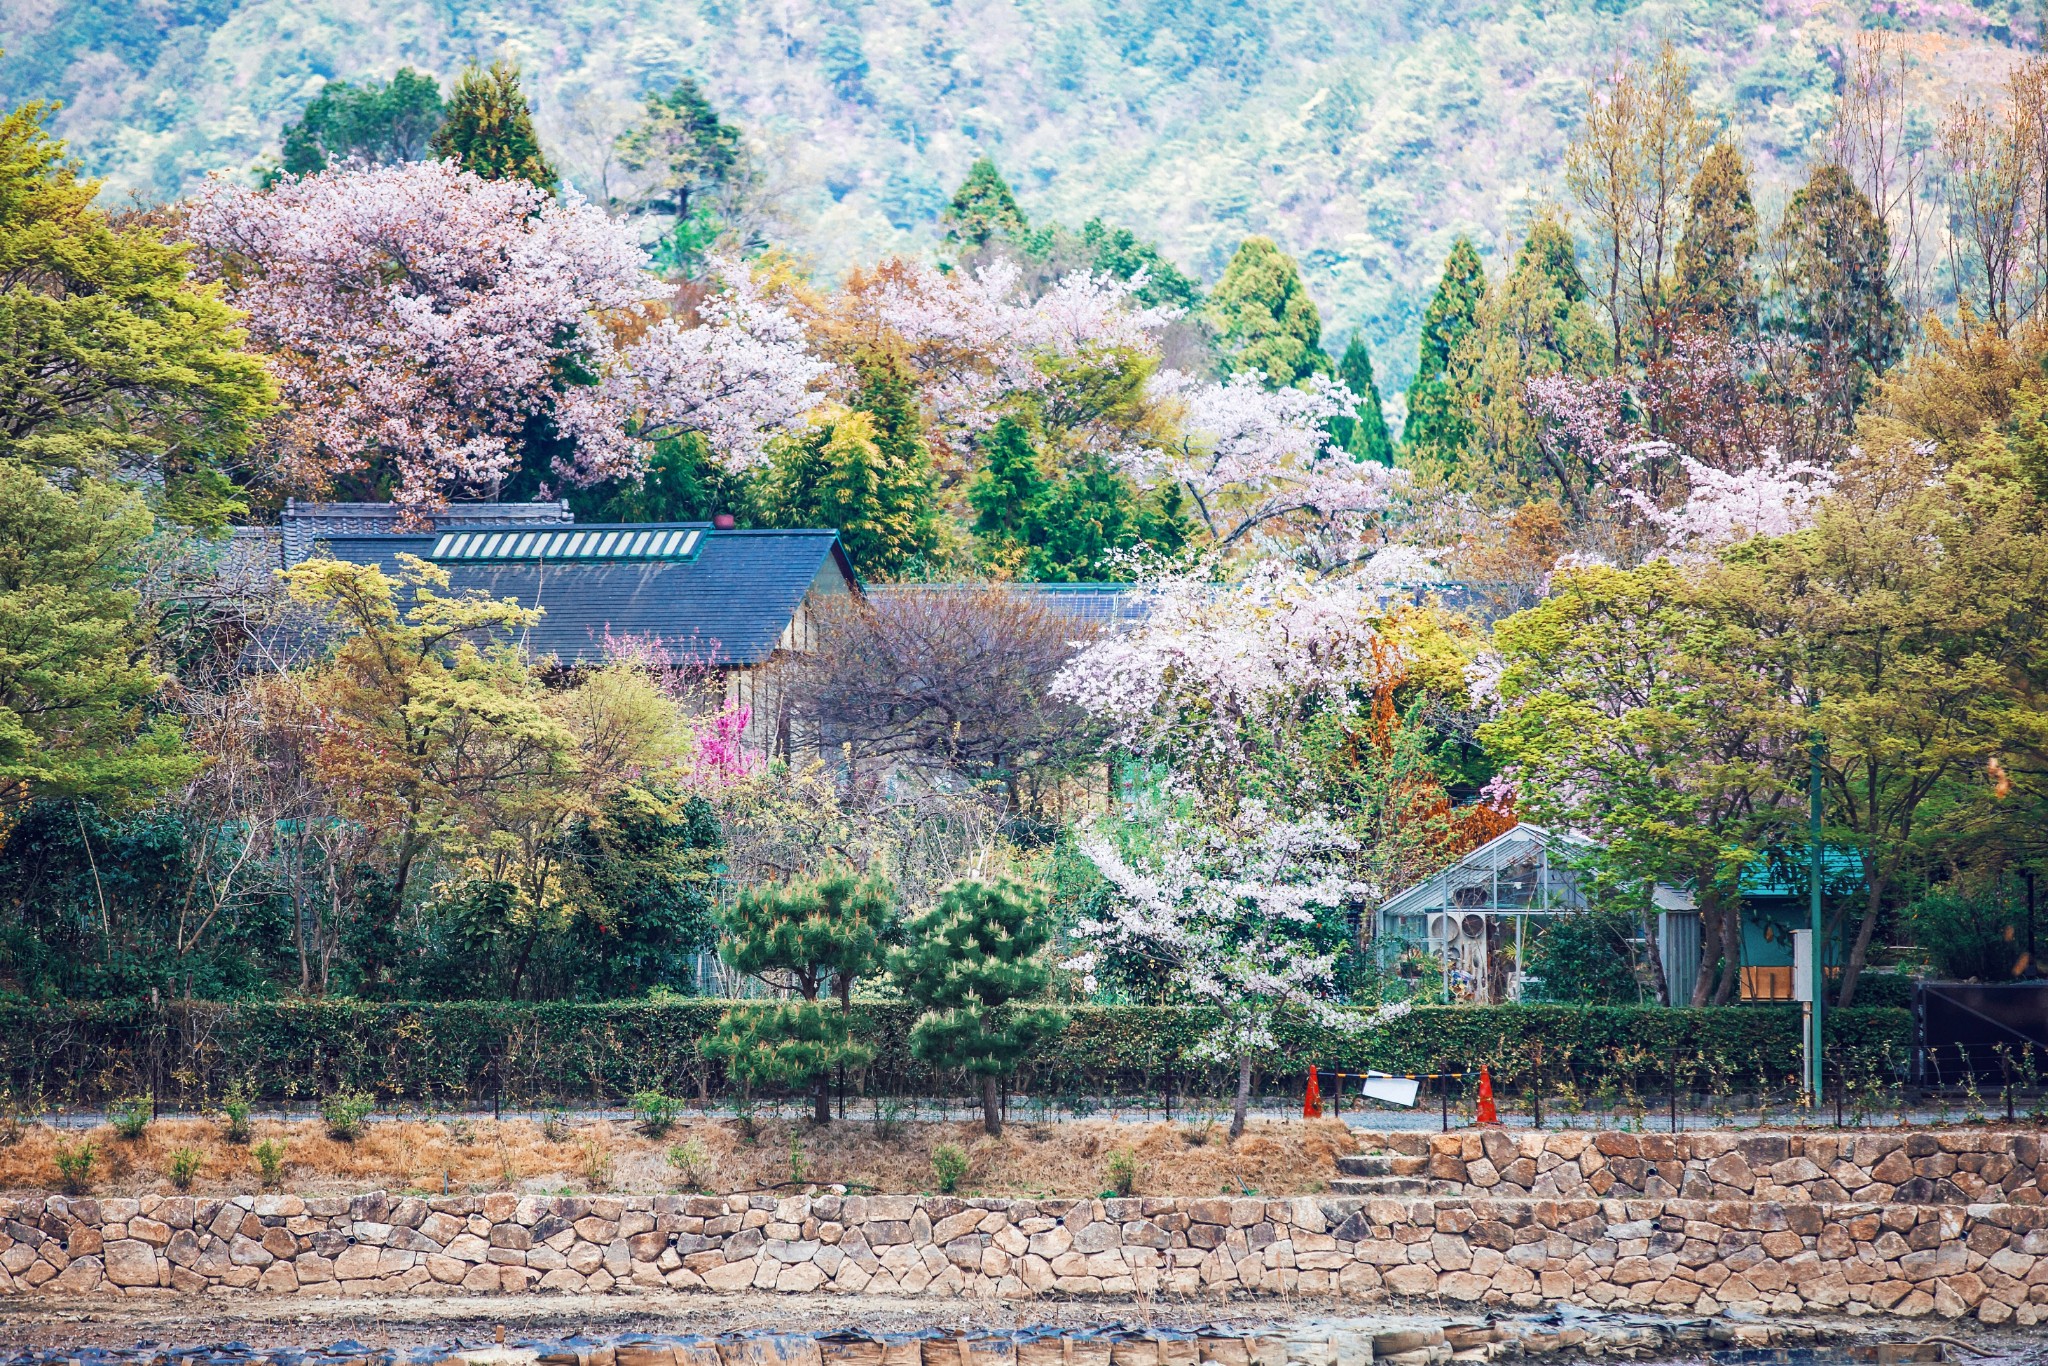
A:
<point x="1381" y="1164"/>
<point x="1379" y="1185"/>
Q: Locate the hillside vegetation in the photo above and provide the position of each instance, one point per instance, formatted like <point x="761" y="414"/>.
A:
<point x="1363" y="138"/>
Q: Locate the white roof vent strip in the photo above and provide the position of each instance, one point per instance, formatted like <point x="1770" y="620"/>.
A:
<point x="616" y="543"/>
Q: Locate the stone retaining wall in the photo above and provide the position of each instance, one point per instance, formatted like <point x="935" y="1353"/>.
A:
<point x="1949" y="1167"/>
<point x="1987" y="1260"/>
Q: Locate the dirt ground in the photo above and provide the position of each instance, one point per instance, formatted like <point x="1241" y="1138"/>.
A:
<point x="1072" y="1158"/>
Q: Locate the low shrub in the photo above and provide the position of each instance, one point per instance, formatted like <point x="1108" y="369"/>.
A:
<point x="234" y="1115"/>
<point x="185" y="1164"/>
<point x="1122" y="1172"/>
<point x="74" y="1165"/>
<point x="131" y="1117"/>
<point x="269" y="1155"/>
<point x="691" y="1162"/>
<point x="654" y="1112"/>
<point x="949" y="1167"/>
<point x="345" y="1112"/>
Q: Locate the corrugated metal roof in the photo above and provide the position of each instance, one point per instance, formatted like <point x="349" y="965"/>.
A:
<point x="728" y="603"/>
<point x="1101" y="604"/>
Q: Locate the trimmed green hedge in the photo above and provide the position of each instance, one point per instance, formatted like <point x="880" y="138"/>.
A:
<point x="472" y="1053"/>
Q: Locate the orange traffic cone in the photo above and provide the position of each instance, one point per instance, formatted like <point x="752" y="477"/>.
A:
<point x="1487" y="1114"/>
<point x="1312" y="1102"/>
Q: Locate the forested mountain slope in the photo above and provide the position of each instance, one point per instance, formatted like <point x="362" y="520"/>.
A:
<point x="1363" y="137"/>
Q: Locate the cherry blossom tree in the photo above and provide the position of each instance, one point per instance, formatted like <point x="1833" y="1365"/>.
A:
<point x="1214" y="668"/>
<point x="1227" y="907"/>
<point x="421" y="321"/>
<point x="1250" y="456"/>
<point x="1774" y="497"/>
<point x="977" y="339"/>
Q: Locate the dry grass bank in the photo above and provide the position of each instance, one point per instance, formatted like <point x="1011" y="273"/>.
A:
<point x="1275" y="1157"/>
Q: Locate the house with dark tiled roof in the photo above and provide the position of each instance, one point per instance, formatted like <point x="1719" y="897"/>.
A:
<point x="728" y="600"/>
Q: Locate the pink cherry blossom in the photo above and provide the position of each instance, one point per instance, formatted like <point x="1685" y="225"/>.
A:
<point x="1250" y="456"/>
<point x="420" y="317"/>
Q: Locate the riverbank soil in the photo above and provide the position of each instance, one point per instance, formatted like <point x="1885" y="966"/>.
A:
<point x="429" y="1156"/>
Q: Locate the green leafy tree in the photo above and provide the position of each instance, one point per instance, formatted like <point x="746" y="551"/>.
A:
<point x="686" y="155"/>
<point x="75" y="677"/>
<point x="1715" y="284"/>
<point x="1438" y="428"/>
<point x="1086" y="518"/>
<point x="489" y="129"/>
<point x="375" y="122"/>
<point x="810" y="937"/>
<point x="1837" y="258"/>
<point x="110" y="359"/>
<point x="971" y="963"/>
<point x="1266" y="323"/>
<point x="866" y="471"/>
<point x="983" y="209"/>
<point x="1365" y="433"/>
<point x="643" y="862"/>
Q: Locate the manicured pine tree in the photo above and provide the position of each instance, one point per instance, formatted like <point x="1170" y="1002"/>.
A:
<point x="1266" y="323"/>
<point x="1438" y="427"/>
<point x="983" y="209"/>
<point x="1715" y="285"/>
<point x="812" y="936"/>
<point x="971" y="963"/>
<point x="1365" y="433"/>
<point x="489" y="129"/>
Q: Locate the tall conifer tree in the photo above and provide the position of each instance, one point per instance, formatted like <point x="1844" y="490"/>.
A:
<point x="489" y="129"/>
<point x="983" y="209"/>
<point x="1715" y="285"/>
<point x="1838" y="256"/>
<point x="1438" y="426"/>
<point x="1266" y="323"/>
<point x="1365" y="433"/>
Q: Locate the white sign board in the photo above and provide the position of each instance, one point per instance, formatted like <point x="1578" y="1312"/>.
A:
<point x="1802" y="965"/>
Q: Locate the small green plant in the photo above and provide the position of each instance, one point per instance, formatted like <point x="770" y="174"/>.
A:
<point x="889" y="1116"/>
<point x="74" y="1165"/>
<point x="691" y="1162"/>
<point x="234" y="1114"/>
<point x="269" y="1155"/>
<point x="461" y="1132"/>
<point x="1122" y="1171"/>
<point x="1199" y="1132"/>
<point x="799" y="1160"/>
<point x="654" y="1112"/>
<point x="597" y="1163"/>
<point x="747" y="1115"/>
<point x="185" y="1163"/>
<point x="345" y="1112"/>
<point x="554" y="1124"/>
<point x="131" y="1117"/>
<point x="949" y="1166"/>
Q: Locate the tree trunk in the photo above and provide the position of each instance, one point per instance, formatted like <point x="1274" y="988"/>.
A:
<point x="821" y="1099"/>
<point x="1244" y="1095"/>
<point x="1655" y="958"/>
<point x="1858" y="952"/>
<point x="991" y="1105"/>
<point x="1731" y="954"/>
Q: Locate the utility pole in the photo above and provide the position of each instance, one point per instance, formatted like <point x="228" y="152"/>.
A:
<point x="1819" y="955"/>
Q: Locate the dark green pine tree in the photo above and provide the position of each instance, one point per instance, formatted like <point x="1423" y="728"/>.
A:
<point x="971" y="963"/>
<point x="489" y="129"/>
<point x="1082" y="521"/>
<point x="1365" y="433"/>
<point x="983" y="209"/>
<point x="376" y="122"/>
<point x="818" y="935"/>
<point x="1838" y="257"/>
<point x="1120" y="252"/>
<point x="1006" y="489"/>
<point x="1438" y="428"/>
<point x="1266" y="324"/>
<point x="1715" y="284"/>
